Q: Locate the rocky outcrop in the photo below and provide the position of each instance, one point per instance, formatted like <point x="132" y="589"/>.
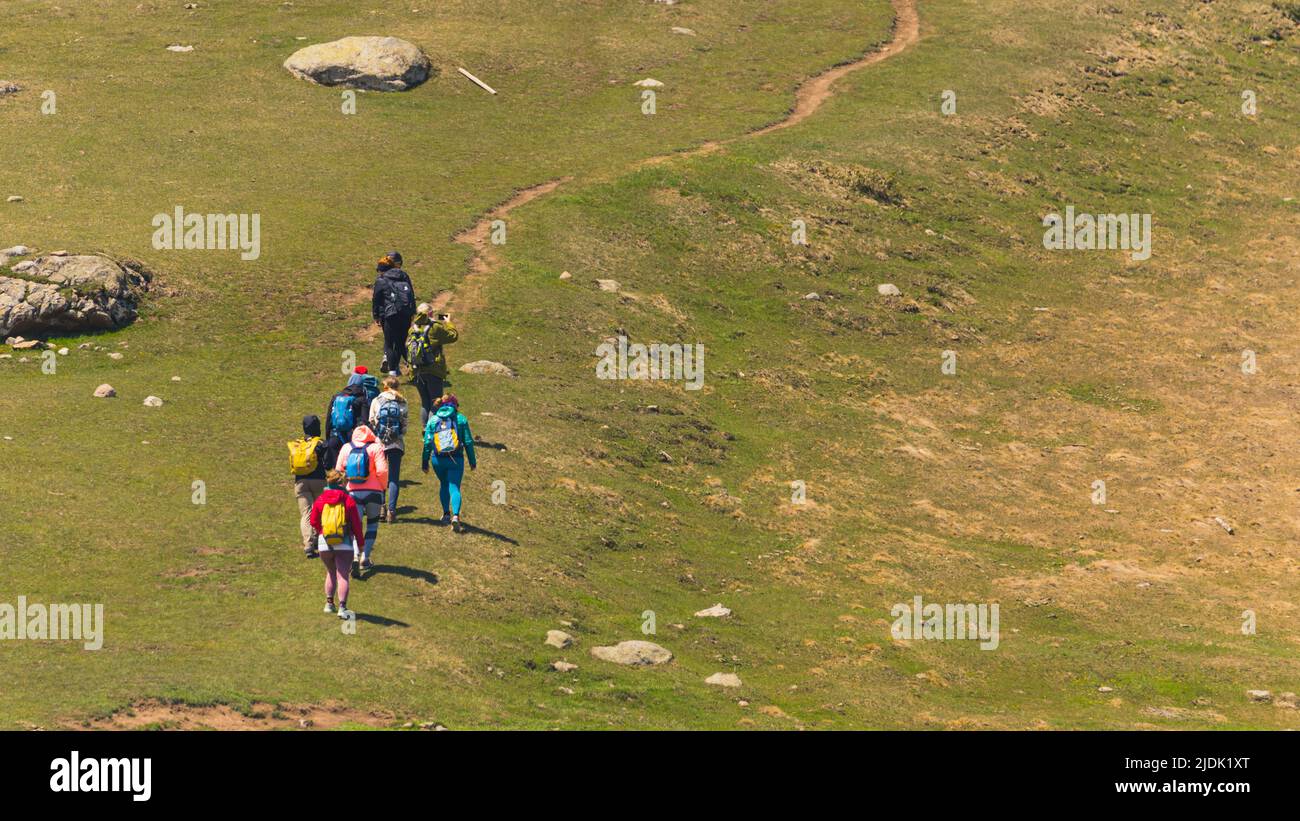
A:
<point x="62" y="294"/>
<point x="371" y="63"/>
<point x="633" y="653"/>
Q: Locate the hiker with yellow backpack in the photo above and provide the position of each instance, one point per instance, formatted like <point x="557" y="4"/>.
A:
<point x="447" y="439"/>
<point x="307" y="464"/>
<point x="335" y="516"/>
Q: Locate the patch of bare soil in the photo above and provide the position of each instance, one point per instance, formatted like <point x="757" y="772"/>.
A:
<point x="152" y="714"/>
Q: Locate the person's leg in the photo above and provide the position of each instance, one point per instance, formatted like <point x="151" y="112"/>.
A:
<point x="331" y="576"/>
<point x="444" y="494"/>
<point x="394" y="477"/>
<point x="455" y="471"/>
<point x="374" y="504"/>
<point x="343" y="569"/>
<point x="305" y="497"/>
<point x="423" y="385"/>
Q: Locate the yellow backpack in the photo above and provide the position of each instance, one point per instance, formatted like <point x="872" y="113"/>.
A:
<point x="333" y="523"/>
<point x="302" y="456"/>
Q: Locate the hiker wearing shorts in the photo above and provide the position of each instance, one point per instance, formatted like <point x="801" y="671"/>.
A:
<point x="365" y="468"/>
<point x="424" y="353"/>
<point x="338" y="540"/>
<point x="447" y="439"/>
<point x="308" y="479"/>
<point x="392" y="304"/>
<point x="388" y="416"/>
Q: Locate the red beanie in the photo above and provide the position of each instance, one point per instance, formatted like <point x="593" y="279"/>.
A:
<point x="361" y="369"/>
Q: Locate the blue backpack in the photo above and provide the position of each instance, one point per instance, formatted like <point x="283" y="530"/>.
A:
<point x="358" y="464"/>
<point x="342" y="420"/>
<point x="388" y="421"/>
<point x="371" y="386"/>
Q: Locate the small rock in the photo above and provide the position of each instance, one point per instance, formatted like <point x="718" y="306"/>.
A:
<point x="717" y="611"/>
<point x="179" y="48"/>
<point x="152" y="402"/>
<point x="1285" y="700"/>
<point x="559" y="638"/>
<point x="24" y="344"/>
<point x="485" y="366"/>
<point x="1262" y="696"/>
<point x="664" y="457"/>
<point x="63" y="351"/>
<point x="888" y="289"/>
<point x="568" y="691"/>
<point x="566" y="275"/>
<point x="683" y="30"/>
<point x="648" y="82"/>
<point x="814" y="296"/>
<point x="563" y="666"/>
<point x="1105" y="689"/>
<point x="610" y="285"/>
<point x="15" y="251"/>
<point x="742" y="703"/>
<point x="723" y="680"/>
<point x="1223" y="524"/>
<point x="641" y="653"/>
<point x="105" y="391"/>
<point x="24" y="266"/>
<point x="176" y="379"/>
<point x="7" y="87"/>
<point x="15" y="198"/>
<point x="115" y="355"/>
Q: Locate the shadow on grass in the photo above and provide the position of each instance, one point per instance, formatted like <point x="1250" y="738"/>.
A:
<point x="399" y="570"/>
<point x="500" y="537"/>
<point x="370" y="618"/>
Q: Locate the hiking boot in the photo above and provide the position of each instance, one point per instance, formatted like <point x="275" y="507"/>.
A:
<point x="456" y="525"/>
<point x="310" y="552"/>
<point x="366" y="564"/>
<point x="329" y="607"/>
<point x="346" y="614"/>
<point x="392" y="517"/>
<point x="445" y="520"/>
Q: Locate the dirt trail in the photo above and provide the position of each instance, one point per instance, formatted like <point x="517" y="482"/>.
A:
<point x="809" y="97"/>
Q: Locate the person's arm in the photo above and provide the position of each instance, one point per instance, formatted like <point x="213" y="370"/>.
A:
<point x="329" y="424"/>
<point x="381" y="463"/>
<point x="428" y="445"/>
<point x="341" y="464"/>
<point x="443" y="332"/>
<point x="377" y="298"/>
<point x="373" y="416"/>
<point x="316" y="508"/>
<point x="468" y="439"/>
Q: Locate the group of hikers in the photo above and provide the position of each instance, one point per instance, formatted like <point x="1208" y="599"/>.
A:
<point x="354" y="465"/>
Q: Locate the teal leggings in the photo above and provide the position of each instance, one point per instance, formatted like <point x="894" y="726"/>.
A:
<point x="450" y="470"/>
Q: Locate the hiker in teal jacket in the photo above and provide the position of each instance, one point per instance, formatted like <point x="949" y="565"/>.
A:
<point x="448" y="441"/>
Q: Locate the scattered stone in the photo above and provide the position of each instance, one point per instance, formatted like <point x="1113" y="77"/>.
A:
<point x="1284" y="700"/>
<point x="14" y="198"/>
<point x="633" y="653"/>
<point x="20" y="344"/>
<point x="683" y="30"/>
<point x="1223" y="524"/>
<point x="563" y="666"/>
<point x="648" y="82"/>
<point x="15" y="251"/>
<point x="152" y="402"/>
<point x="610" y="285"/>
<point x="717" y="611"/>
<point x="1105" y="689"/>
<point x="7" y="87"/>
<point x="176" y="379"/>
<point x="888" y="289"/>
<point x="559" y="639"/>
<point x="568" y="691"/>
<point x="486" y="366"/>
<point x="566" y="275"/>
<point x="105" y="391"/>
<point x="115" y="355"/>
<point x="814" y="296"/>
<point x="71" y="294"/>
<point x="371" y="63"/>
<point x="723" y="680"/>
<point x="1261" y="696"/>
<point x="63" y="351"/>
<point x="664" y="457"/>
<point x="179" y="48"/>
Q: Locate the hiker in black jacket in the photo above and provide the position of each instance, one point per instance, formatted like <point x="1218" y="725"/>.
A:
<point x="355" y="400"/>
<point x="393" y="306"/>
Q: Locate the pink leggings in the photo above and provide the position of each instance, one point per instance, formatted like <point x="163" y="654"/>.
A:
<point x="338" y="566"/>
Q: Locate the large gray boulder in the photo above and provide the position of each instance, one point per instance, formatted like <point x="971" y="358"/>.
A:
<point x="371" y="63"/>
<point x="633" y="653"/>
<point x="70" y="294"/>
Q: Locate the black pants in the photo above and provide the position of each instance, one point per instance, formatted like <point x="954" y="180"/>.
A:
<point x="430" y="388"/>
<point x="395" y="328"/>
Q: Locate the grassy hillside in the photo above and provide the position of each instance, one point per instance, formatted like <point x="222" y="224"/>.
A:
<point x="624" y="497"/>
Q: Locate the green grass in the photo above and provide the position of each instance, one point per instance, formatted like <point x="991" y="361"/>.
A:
<point x="213" y="604"/>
